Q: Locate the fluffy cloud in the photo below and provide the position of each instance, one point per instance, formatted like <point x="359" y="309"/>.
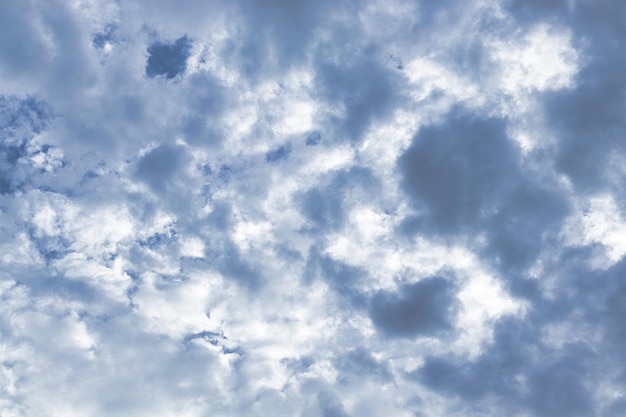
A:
<point x="312" y="208"/>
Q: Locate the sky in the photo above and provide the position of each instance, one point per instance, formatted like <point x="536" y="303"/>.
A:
<point x="312" y="208"/>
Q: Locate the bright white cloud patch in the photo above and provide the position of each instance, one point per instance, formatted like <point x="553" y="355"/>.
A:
<point x="542" y="59"/>
<point x="313" y="208"/>
<point x="599" y="221"/>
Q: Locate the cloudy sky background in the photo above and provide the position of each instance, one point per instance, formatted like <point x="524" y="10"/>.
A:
<point x="312" y="208"/>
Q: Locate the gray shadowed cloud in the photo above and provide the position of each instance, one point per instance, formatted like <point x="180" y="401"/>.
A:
<point x="529" y="218"/>
<point x="20" y="121"/>
<point x="323" y="209"/>
<point x="21" y="49"/>
<point x="458" y="170"/>
<point x="331" y="405"/>
<point x="364" y="91"/>
<point x="323" y="206"/>
<point x="277" y="34"/>
<point x="206" y="99"/>
<point x="342" y="278"/>
<point x="160" y="167"/>
<point x="424" y="308"/>
<point x="230" y="261"/>
<point x="588" y="119"/>
<point x="466" y="175"/>
<point x="524" y="370"/>
<point x="532" y="9"/>
<point x="520" y="372"/>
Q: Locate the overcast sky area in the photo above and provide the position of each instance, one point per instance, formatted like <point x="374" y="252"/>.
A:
<point x="312" y="208"/>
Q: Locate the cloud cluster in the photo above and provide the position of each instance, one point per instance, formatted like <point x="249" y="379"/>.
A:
<point x="312" y="208"/>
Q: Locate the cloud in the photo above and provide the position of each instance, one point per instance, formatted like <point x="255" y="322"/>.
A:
<point x="459" y="169"/>
<point x="421" y="309"/>
<point x="468" y="176"/>
<point x="330" y="405"/>
<point x="161" y="165"/>
<point x="313" y="138"/>
<point x="312" y="208"/>
<point x="20" y="121"/>
<point x="586" y="117"/>
<point x="279" y="153"/>
<point x="25" y="54"/>
<point x="362" y="93"/>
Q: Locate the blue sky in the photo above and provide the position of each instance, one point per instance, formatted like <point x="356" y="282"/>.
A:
<point x="312" y="208"/>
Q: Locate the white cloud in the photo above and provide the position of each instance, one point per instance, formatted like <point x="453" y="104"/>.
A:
<point x="598" y="220"/>
<point x="541" y="59"/>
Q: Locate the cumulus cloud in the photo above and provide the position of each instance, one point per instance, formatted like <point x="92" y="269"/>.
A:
<point x="312" y="208"/>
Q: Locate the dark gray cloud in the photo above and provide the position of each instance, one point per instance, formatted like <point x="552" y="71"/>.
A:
<point x="530" y="214"/>
<point x="466" y="176"/>
<point x="587" y="119"/>
<point x="363" y="89"/>
<point x="160" y="167"/>
<point x="458" y="171"/>
<point x="560" y="389"/>
<point x="421" y="309"/>
<point x="520" y="373"/>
